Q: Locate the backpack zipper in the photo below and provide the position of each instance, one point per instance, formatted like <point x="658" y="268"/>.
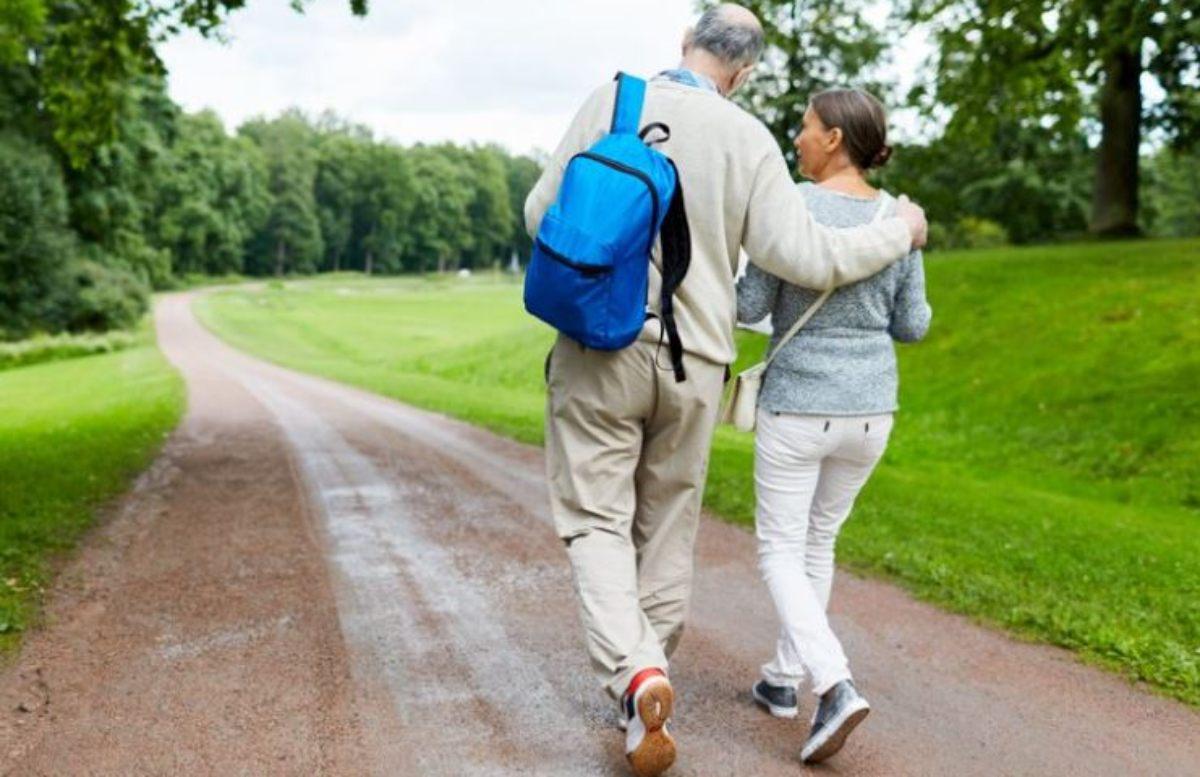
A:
<point x="624" y="168"/>
<point x="585" y="269"/>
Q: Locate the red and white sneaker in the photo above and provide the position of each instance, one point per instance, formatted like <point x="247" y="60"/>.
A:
<point x="648" y="704"/>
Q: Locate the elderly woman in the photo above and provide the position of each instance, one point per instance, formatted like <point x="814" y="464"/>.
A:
<point x="825" y="413"/>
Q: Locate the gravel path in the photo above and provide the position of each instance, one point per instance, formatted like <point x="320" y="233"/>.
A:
<point x="312" y="579"/>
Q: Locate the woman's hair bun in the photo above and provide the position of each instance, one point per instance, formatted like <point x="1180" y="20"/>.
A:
<point x="863" y="122"/>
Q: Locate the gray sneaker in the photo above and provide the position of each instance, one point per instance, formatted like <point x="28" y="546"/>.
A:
<point x="840" y="710"/>
<point x="779" y="700"/>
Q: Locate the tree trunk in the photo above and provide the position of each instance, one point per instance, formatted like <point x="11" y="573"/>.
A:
<point x="441" y="264"/>
<point x="370" y="261"/>
<point x="1115" y="197"/>
<point x="280" y="258"/>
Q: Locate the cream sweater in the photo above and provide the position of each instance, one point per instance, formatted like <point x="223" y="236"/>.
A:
<point x="739" y="194"/>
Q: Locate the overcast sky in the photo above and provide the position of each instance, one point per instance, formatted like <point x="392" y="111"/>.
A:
<point x="430" y="70"/>
<point x="424" y="70"/>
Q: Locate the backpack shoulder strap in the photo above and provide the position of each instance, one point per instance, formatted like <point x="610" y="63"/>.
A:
<point x="676" y="240"/>
<point x="627" y="109"/>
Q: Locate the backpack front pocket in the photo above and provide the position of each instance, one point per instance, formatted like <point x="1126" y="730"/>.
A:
<point x="569" y="282"/>
<point x="573" y="248"/>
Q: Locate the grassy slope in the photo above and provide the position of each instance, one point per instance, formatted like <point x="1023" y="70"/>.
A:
<point x="1043" y="474"/>
<point x="72" y="434"/>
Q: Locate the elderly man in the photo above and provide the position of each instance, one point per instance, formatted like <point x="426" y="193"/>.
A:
<point x="626" y="444"/>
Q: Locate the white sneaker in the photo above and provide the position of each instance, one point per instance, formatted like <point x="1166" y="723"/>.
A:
<point x="648" y="706"/>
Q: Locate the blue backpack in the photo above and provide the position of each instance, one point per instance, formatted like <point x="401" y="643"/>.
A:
<point x="589" y="274"/>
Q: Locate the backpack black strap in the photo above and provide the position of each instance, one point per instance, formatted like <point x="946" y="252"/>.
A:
<point x="676" y="258"/>
<point x="658" y="125"/>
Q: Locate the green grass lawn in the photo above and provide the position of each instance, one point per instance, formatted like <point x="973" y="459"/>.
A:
<point x="1044" y="474"/>
<point x="72" y="435"/>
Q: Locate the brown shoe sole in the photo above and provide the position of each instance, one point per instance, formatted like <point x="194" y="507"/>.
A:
<point x="656" y="753"/>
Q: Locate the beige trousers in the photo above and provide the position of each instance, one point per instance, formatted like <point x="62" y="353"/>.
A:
<point x="626" y="456"/>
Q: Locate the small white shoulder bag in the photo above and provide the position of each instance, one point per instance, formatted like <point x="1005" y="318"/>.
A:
<point x="742" y="403"/>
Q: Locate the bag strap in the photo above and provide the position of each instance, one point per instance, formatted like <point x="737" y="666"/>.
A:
<point x="884" y="201"/>
<point x="796" y="327"/>
<point x="627" y="108"/>
<point x="676" y="241"/>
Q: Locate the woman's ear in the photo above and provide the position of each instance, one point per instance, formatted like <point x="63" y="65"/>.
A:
<point x="689" y="35"/>
<point x="833" y="141"/>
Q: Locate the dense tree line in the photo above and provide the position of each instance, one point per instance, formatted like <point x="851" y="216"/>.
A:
<point x="176" y="195"/>
<point x="337" y="199"/>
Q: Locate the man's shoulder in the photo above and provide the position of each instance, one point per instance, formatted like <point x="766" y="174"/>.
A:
<point x="725" y="122"/>
<point x="720" y="115"/>
<point x="601" y="98"/>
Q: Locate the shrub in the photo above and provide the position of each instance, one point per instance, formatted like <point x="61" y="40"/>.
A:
<point x="968" y="232"/>
<point x="34" y="240"/>
<point x="981" y="233"/>
<point x="95" y="298"/>
<point x="46" y="348"/>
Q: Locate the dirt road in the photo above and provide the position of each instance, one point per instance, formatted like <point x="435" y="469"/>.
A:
<point x="315" y="580"/>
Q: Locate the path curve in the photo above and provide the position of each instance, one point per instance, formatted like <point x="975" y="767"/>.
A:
<point x="312" y="579"/>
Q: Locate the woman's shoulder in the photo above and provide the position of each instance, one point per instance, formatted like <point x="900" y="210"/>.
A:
<point x="839" y="209"/>
<point x="819" y="199"/>
<point x="816" y="191"/>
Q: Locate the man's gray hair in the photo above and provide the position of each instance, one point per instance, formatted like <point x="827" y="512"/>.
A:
<point x="731" y="40"/>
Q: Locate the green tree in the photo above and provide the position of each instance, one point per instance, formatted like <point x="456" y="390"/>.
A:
<point x="290" y="240"/>
<point x="21" y="21"/>
<point x="1051" y="64"/>
<point x="809" y="47"/>
<point x="34" y="240"/>
<point x="112" y="199"/>
<point x="338" y="188"/>
<point x="522" y="173"/>
<point x="212" y="197"/>
<point x="490" y="210"/>
<point x="1171" y="191"/>
<point x="441" y="225"/>
<point x="82" y="53"/>
<point x="44" y="286"/>
<point x="385" y="207"/>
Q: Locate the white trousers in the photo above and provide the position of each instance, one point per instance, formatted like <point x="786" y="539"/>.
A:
<point x="808" y="471"/>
